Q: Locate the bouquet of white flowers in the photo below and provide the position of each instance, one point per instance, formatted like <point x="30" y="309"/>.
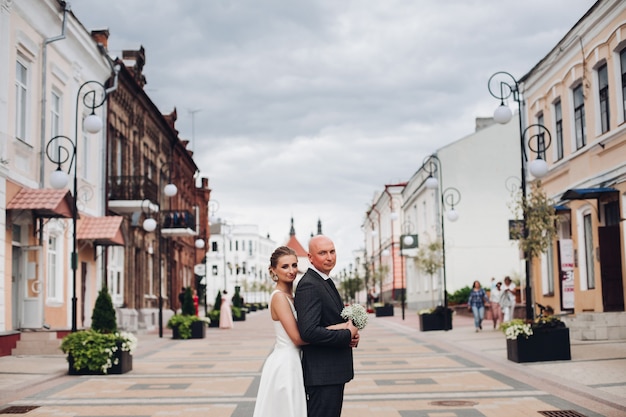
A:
<point x="356" y="313"/>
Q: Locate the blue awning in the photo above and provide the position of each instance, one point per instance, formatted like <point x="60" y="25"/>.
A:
<point x="560" y="207"/>
<point x="587" y="193"/>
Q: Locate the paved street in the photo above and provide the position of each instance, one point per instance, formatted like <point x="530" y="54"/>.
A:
<point x="400" y="371"/>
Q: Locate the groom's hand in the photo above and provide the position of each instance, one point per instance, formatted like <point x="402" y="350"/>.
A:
<point x="354" y="331"/>
<point x="355" y="341"/>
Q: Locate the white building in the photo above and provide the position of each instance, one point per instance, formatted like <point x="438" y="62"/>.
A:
<point x="477" y="174"/>
<point x="238" y="256"/>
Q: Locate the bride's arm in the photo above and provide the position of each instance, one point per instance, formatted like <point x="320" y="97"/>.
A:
<point x="281" y="311"/>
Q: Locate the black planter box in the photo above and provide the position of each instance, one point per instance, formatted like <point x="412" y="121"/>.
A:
<point x="386" y="310"/>
<point x="549" y="344"/>
<point x="124" y="364"/>
<point x="198" y="330"/>
<point x="242" y="316"/>
<point x="436" y="321"/>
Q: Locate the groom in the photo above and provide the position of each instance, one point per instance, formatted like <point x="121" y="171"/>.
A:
<point x="327" y="359"/>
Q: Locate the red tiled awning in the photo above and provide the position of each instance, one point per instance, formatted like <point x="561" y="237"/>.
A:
<point x="44" y="203"/>
<point x="103" y="231"/>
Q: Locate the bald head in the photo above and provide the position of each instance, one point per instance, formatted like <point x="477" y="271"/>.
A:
<point x="322" y="253"/>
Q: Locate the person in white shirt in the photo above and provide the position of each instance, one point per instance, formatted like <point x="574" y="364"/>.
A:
<point x="507" y="300"/>
<point x="494" y="303"/>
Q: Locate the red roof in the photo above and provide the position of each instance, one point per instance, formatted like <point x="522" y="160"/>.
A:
<point x="295" y="245"/>
<point x="104" y="231"/>
<point x="44" y="202"/>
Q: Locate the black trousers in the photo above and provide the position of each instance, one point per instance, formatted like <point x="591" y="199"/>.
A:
<point x="324" y="400"/>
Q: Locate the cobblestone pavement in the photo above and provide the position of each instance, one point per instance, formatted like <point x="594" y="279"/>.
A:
<point x="400" y="372"/>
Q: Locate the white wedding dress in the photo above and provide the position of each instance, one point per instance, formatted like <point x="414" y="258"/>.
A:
<point x="281" y="390"/>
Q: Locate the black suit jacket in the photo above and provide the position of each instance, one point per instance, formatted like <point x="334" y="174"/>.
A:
<point x="327" y="359"/>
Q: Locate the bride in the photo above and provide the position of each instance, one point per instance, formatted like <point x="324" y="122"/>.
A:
<point x="281" y="389"/>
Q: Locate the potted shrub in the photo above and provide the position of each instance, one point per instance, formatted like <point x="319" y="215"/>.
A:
<point x="439" y="318"/>
<point x="187" y="325"/>
<point x="239" y="311"/>
<point x="383" y="309"/>
<point x="102" y="349"/>
<point x="214" y="318"/>
<point x="544" y="339"/>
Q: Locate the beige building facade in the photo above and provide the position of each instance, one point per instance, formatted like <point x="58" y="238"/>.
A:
<point x="48" y="59"/>
<point x="578" y="92"/>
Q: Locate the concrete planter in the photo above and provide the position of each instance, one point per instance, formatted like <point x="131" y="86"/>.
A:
<point x="124" y="364"/>
<point x="545" y="344"/>
<point x="386" y="310"/>
<point x="440" y="320"/>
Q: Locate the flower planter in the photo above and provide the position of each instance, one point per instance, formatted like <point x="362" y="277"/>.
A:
<point x="124" y="364"/>
<point x="436" y="321"/>
<point x="242" y="316"/>
<point x="386" y="310"/>
<point x="215" y="323"/>
<point x="545" y="344"/>
<point x="198" y="330"/>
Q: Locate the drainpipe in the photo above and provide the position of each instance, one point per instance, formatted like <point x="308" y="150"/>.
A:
<point x="44" y="84"/>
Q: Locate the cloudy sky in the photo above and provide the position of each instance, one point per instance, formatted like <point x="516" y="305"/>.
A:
<point x="305" y="109"/>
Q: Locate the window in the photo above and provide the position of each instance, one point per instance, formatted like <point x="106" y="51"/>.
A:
<point x="558" y="116"/>
<point x="579" y="117"/>
<point x="150" y="274"/>
<point x="87" y="159"/>
<point x="622" y="57"/>
<point x="603" y="91"/>
<point x="53" y="268"/>
<point x="588" y="235"/>
<point x="541" y="142"/>
<point x="214" y="246"/>
<point x="547" y="266"/>
<point x="55" y="114"/>
<point x="21" y="100"/>
<point x="115" y="267"/>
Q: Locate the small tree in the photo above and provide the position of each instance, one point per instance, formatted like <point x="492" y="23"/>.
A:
<point x="237" y="300"/>
<point x="540" y="221"/>
<point x="188" y="309"/>
<point x="377" y="278"/>
<point x="103" y="318"/>
<point x="218" y="301"/>
<point x="430" y="260"/>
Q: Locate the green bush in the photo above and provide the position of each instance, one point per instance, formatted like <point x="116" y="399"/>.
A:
<point x="183" y="323"/>
<point x="237" y="300"/>
<point x="214" y="316"/>
<point x="188" y="309"/>
<point x="103" y="317"/>
<point x="459" y="296"/>
<point x="95" y="351"/>
<point x="218" y="301"/>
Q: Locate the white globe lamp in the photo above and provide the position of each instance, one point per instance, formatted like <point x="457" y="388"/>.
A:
<point x="59" y="179"/>
<point x="92" y="123"/>
<point x="149" y="225"/>
<point x="502" y="114"/>
<point x="170" y="190"/>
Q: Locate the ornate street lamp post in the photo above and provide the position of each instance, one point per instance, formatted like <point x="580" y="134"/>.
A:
<point x="503" y="85"/>
<point x="150" y="225"/>
<point x="61" y="149"/>
<point x="449" y="198"/>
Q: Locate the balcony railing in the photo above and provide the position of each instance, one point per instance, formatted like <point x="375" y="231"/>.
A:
<point x="132" y="188"/>
<point x="178" y="223"/>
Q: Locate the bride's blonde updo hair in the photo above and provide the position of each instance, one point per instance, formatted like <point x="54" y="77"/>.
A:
<point x="280" y="251"/>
